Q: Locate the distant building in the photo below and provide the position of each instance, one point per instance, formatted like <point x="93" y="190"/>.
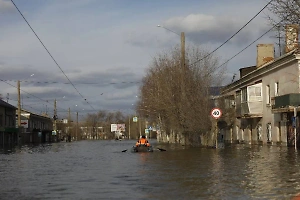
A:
<point x="36" y="128"/>
<point x="8" y="130"/>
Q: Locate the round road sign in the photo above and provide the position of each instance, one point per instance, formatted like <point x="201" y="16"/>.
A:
<point x="216" y="113"/>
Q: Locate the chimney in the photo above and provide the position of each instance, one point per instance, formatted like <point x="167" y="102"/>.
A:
<point x="265" y="54"/>
<point x="291" y="37"/>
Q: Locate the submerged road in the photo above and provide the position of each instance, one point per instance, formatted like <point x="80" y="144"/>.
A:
<point x="100" y="170"/>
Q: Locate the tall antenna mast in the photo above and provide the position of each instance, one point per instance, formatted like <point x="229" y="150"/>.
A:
<point x="279" y="33"/>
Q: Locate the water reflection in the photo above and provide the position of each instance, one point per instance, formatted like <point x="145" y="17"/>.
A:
<point x="100" y="170"/>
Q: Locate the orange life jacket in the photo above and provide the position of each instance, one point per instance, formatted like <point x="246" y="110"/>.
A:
<point x="142" y="141"/>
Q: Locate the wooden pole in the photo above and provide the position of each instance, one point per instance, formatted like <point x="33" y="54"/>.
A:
<point x="129" y="127"/>
<point x="295" y="128"/>
<point x="182" y="51"/>
<point x="76" y="125"/>
<point x="55" y="118"/>
<point x="216" y="128"/>
<point x="19" y="105"/>
<point x="69" y="118"/>
<point x="140" y="126"/>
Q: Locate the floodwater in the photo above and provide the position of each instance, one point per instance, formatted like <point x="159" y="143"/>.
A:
<point x="100" y="170"/>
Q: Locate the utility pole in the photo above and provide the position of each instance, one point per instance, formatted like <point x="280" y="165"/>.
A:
<point x="76" y="125"/>
<point x="217" y="130"/>
<point x="129" y="128"/>
<point x="295" y="128"/>
<point x="140" y="126"/>
<point x="19" y="105"/>
<point x="19" y="112"/>
<point x="182" y="114"/>
<point x="182" y="51"/>
<point x="69" y="118"/>
<point x="55" y="118"/>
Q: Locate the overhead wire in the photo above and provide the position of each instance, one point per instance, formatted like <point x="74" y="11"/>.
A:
<point x="47" y="101"/>
<point x="70" y="82"/>
<point x="232" y="35"/>
<point x="251" y="44"/>
<point x="51" y="55"/>
<point x="55" y="82"/>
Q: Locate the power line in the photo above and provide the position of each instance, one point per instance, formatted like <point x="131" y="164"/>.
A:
<point x="51" y="55"/>
<point x="62" y="110"/>
<point x="249" y="45"/>
<point x="232" y="35"/>
<point x="54" y="82"/>
<point x="30" y="94"/>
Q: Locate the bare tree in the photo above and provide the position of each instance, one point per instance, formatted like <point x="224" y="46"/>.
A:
<point x="286" y="11"/>
<point x="92" y="122"/>
<point x="104" y="120"/>
<point x="178" y="98"/>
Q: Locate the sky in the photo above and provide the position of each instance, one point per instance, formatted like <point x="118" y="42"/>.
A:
<point x="103" y="48"/>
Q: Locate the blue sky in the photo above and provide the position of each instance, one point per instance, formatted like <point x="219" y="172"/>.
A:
<point x="105" y="46"/>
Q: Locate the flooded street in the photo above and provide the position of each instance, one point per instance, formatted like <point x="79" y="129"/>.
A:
<point x="100" y="170"/>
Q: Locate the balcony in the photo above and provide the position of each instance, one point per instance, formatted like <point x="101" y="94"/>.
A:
<point x="249" y="109"/>
<point x="285" y="102"/>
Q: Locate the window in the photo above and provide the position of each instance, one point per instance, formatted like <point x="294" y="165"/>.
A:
<point x="9" y="121"/>
<point x="244" y="95"/>
<point x="268" y="98"/>
<point x="276" y="89"/>
<point x="254" y="93"/>
<point x="1" y="120"/>
<point x="269" y="132"/>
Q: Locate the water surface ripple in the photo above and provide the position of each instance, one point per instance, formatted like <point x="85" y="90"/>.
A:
<point x="100" y="170"/>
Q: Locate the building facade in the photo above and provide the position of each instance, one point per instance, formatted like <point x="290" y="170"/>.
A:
<point x="263" y="105"/>
<point x="8" y="131"/>
<point x="36" y="128"/>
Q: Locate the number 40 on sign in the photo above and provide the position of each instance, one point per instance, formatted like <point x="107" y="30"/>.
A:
<point x="216" y="113"/>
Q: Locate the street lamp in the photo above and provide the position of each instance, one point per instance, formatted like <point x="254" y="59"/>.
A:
<point x="182" y="37"/>
<point x="183" y="67"/>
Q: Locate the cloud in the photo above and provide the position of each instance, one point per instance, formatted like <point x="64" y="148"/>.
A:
<point x="203" y="29"/>
<point x="6" y="6"/>
<point x="104" y="47"/>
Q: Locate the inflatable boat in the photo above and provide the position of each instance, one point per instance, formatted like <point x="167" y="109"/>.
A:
<point x="142" y="148"/>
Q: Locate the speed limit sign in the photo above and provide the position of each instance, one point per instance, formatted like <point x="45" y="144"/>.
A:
<point x="216" y="113"/>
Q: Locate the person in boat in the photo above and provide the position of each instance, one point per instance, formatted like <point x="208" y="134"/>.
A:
<point x="142" y="141"/>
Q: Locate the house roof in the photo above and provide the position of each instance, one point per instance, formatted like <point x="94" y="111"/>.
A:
<point x="23" y="111"/>
<point x="288" y="56"/>
<point x="6" y="105"/>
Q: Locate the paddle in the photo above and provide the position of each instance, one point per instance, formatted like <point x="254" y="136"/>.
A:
<point x="161" y="149"/>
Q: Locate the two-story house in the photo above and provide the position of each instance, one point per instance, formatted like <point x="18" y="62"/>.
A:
<point x="8" y="131"/>
<point x="266" y="95"/>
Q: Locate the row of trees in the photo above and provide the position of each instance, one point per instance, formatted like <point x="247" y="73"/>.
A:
<point x="103" y="119"/>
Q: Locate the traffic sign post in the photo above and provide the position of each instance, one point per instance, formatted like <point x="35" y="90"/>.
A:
<point x="150" y="129"/>
<point x="134" y="119"/>
<point x="24" y="123"/>
<point x="216" y="113"/>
